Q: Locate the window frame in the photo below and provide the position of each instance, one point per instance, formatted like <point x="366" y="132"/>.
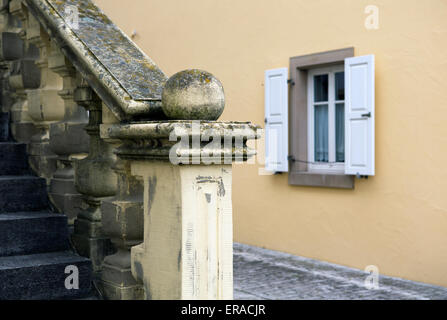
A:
<point x="331" y="166"/>
<point x="299" y="174"/>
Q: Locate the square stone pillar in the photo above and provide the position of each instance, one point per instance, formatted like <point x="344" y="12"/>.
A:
<point x="185" y="163"/>
<point x="188" y="232"/>
<point x="187" y="249"/>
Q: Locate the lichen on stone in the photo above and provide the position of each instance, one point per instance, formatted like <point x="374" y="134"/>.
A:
<point x="133" y="69"/>
<point x="193" y="95"/>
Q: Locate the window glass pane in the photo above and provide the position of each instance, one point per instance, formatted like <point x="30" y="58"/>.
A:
<point x="340" y="132"/>
<point x="321" y="88"/>
<point x="321" y="134"/>
<point x="340" y="86"/>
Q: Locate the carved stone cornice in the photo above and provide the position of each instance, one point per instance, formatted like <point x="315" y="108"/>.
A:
<point x="190" y="142"/>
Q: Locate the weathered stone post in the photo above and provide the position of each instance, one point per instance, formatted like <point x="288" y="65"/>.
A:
<point x="95" y="180"/>
<point x="187" y="249"/>
<point x="67" y="139"/>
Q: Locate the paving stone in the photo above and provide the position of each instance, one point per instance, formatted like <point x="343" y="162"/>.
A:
<point x="261" y="274"/>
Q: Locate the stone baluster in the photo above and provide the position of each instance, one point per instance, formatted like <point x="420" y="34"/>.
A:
<point x="11" y="48"/>
<point x="187" y="248"/>
<point x="122" y="222"/>
<point x="68" y="139"/>
<point x="95" y="180"/>
<point x="45" y="106"/>
<point x="24" y="73"/>
<point x="24" y="76"/>
<point x="18" y="12"/>
<point x="122" y="219"/>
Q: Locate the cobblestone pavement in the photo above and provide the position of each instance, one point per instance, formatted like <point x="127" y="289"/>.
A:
<point x="261" y="274"/>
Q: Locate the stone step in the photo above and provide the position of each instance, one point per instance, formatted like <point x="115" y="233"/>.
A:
<point x="4" y="126"/>
<point x="22" y="194"/>
<point x="13" y="159"/>
<point x="43" y="276"/>
<point x="24" y="233"/>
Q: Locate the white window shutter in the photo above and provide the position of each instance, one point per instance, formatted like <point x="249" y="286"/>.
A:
<point x="359" y="116"/>
<point x="276" y="120"/>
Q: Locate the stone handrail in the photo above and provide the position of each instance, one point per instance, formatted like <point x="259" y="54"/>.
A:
<point x="136" y="161"/>
<point x="120" y="73"/>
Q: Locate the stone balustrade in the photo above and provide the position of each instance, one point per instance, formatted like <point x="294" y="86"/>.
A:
<point x="138" y="162"/>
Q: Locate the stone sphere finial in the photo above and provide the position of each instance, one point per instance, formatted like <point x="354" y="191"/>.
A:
<point x="193" y="95"/>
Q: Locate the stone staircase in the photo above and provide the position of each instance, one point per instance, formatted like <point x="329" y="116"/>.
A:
<point x="102" y="115"/>
<point x="34" y="242"/>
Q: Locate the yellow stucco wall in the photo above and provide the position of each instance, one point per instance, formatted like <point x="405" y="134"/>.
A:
<point x="396" y="220"/>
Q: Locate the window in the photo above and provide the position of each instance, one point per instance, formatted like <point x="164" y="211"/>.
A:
<point x="324" y="136"/>
<point x="316" y="150"/>
<point x="326" y="118"/>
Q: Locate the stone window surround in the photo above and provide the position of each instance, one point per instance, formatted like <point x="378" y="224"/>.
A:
<point x="298" y="173"/>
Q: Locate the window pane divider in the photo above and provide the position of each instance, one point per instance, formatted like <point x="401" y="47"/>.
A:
<point x="331" y="117"/>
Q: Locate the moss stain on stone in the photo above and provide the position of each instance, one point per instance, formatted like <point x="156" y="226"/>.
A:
<point x="134" y="71"/>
